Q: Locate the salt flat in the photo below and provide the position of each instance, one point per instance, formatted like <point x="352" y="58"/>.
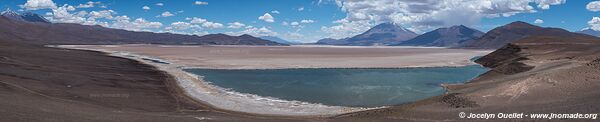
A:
<point x="273" y="57"/>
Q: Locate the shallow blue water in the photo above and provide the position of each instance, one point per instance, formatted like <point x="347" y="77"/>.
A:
<point x="342" y="87"/>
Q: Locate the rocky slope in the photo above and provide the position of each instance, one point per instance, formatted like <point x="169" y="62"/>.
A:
<point x="382" y="34"/>
<point x="535" y="74"/>
<point x="444" y="37"/>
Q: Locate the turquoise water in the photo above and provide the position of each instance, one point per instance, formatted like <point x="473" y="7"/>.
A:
<point x="342" y="87"/>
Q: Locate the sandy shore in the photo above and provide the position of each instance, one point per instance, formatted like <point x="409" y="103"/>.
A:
<point x="173" y="59"/>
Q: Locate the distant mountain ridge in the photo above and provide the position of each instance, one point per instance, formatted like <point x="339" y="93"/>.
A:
<point x="38" y="30"/>
<point x="382" y="34"/>
<point x="278" y="40"/>
<point x="503" y="35"/>
<point x="590" y="32"/>
<point x="444" y="37"/>
<point x="26" y="17"/>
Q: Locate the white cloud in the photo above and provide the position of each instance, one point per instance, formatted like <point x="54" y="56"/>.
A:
<point x="212" y="25"/>
<point x="204" y="23"/>
<point x="180" y="25"/>
<point x="70" y="8"/>
<point x="345" y="28"/>
<point x="38" y="4"/>
<point x="200" y="3"/>
<point x="196" y="20"/>
<point x="594" y="23"/>
<point x="545" y="4"/>
<point x="301" y="9"/>
<point x="593" y="6"/>
<point x="307" y="21"/>
<point x="236" y="25"/>
<point x="267" y="18"/>
<point x="538" y="21"/>
<point x="285" y="23"/>
<point x="62" y="15"/>
<point x="263" y="31"/>
<point x="139" y="24"/>
<point x="89" y="4"/>
<point x="146" y="8"/>
<point x="275" y="12"/>
<point x="427" y="14"/>
<point x="159" y="4"/>
<point x="166" y="14"/>
<point x="294" y="23"/>
<point x="107" y="14"/>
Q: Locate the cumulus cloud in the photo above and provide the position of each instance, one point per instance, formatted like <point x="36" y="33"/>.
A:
<point x="139" y="24"/>
<point x="267" y="18"/>
<point x="275" y="12"/>
<point x="426" y="14"/>
<point x="89" y="4"/>
<point x="146" y="8"/>
<point x="204" y="23"/>
<point x="200" y="3"/>
<point x="594" y="23"/>
<point x="180" y="25"/>
<point x="307" y="21"/>
<point x="62" y="15"/>
<point x="166" y="14"/>
<point x="107" y="14"/>
<point x="212" y="25"/>
<point x="593" y="6"/>
<point x="538" y="21"/>
<point x="38" y="4"/>
<point x="263" y="31"/>
<point x="70" y="8"/>
<point x="301" y="9"/>
<point x="196" y="20"/>
<point x="545" y="4"/>
<point x="294" y="23"/>
<point x="159" y="4"/>
<point x="236" y="25"/>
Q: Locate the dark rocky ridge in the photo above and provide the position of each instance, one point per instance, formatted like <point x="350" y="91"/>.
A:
<point x="444" y="37"/>
<point x="514" y="31"/>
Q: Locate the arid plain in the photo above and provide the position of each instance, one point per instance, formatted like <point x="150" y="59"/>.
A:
<point x="273" y="57"/>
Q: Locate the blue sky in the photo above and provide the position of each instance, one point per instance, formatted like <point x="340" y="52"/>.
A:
<point x="322" y="18"/>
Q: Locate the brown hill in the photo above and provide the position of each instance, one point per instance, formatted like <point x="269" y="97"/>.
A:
<point x="514" y="31"/>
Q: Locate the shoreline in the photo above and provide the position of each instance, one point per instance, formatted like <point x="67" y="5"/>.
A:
<point x="229" y="100"/>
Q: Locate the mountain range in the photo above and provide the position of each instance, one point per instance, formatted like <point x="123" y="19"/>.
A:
<point x="35" y="29"/>
<point x="444" y="37"/>
<point x="382" y="34"/>
<point x="590" y="32"/>
<point x="25" y="17"/>
<point x="278" y="40"/>
<point x="503" y="35"/>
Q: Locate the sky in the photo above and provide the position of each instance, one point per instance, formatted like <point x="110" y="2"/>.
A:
<point x="310" y="20"/>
